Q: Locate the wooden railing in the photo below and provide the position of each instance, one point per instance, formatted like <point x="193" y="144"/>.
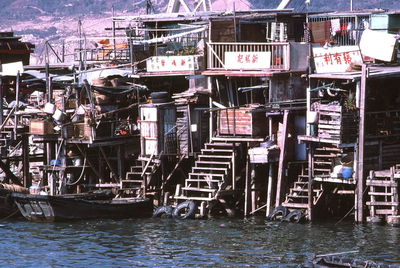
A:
<point x="102" y="54"/>
<point x="280" y="53"/>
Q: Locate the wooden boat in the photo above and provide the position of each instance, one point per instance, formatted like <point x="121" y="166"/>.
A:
<point x="8" y="208"/>
<point x="339" y="261"/>
<point x="45" y="208"/>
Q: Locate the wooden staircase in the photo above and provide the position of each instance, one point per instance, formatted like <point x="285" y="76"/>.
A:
<point x="214" y="171"/>
<point x="297" y="198"/>
<point x="324" y="160"/>
<point x="383" y="192"/>
<point x="139" y="179"/>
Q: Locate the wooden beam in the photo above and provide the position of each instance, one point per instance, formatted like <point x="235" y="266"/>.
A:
<point x="25" y="161"/>
<point x="113" y="174"/>
<point x="282" y="160"/>
<point x="310" y="181"/>
<point x="247" y="189"/>
<point x="270" y="189"/>
<point x="14" y="179"/>
<point x="361" y="178"/>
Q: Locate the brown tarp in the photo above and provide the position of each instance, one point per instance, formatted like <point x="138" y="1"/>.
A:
<point x="320" y="31"/>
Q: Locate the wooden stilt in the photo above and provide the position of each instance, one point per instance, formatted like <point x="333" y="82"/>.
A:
<point x="247" y="190"/>
<point x="269" y="189"/>
<point x="361" y="144"/>
<point x="25" y="161"/>
<point x="310" y="181"/>
<point x="282" y="160"/>
<point x="253" y="188"/>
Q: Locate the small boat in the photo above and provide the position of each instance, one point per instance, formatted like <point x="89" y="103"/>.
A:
<point x="8" y="208"/>
<point x="46" y="208"/>
<point x="339" y="261"/>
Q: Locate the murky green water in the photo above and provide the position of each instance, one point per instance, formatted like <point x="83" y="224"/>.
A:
<point x="190" y="243"/>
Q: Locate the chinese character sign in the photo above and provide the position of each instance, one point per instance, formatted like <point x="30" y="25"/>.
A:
<point x="335" y="59"/>
<point x="247" y="60"/>
<point x="172" y="63"/>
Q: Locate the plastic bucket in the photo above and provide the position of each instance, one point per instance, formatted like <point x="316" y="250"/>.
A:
<point x="347" y="172"/>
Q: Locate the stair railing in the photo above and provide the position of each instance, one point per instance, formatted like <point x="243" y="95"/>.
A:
<point x="7" y="118"/>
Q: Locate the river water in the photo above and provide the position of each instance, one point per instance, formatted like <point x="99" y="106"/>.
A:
<point x="189" y="243"/>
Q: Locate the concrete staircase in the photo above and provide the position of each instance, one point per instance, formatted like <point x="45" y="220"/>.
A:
<point x="213" y="171"/>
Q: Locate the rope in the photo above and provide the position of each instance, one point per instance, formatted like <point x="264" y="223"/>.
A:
<point x="81" y="175"/>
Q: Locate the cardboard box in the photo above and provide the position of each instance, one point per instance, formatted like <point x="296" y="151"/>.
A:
<point x="41" y="127"/>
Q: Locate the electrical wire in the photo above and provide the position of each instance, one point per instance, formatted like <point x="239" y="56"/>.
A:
<point x="81" y="175"/>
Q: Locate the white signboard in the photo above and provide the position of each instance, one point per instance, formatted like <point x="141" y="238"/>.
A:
<point x="247" y="60"/>
<point x="172" y="63"/>
<point x="12" y="69"/>
<point x="378" y="45"/>
<point x="335" y="59"/>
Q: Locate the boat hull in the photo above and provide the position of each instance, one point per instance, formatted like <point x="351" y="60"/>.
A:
<point x="41" y="208"/>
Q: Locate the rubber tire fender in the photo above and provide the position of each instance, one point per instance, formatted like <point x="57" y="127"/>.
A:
<point x="163" y="212"/>
<point x="159" y="95"/>
<point x="191" y="208"/>
<point x="278" y="211"/>
<point x="296" y="216"/>
<point x="160" y="100"/>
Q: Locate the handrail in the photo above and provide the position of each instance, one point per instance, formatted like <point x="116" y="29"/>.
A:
<point x="7" y="118"/>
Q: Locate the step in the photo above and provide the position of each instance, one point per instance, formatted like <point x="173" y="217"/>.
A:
<point x="211" y="163"/>
<point x="202" y="180"/>
<point x="132" y="181"/>
<point x="296" y="196"/>
<point x="294" y="205"/>
<point x="206" y="175"/>
<point x="383" y="212"/>
<point x="154" y="160"/>
<point x="199" y="189"/>
<point x="219" y="144"/>
<point x="221" y="151"/>
<point x="194" y="198"/>
<point x="380" y="193"/>
<point x="377" y="203"/>
<point x="303" y="190"/>
<point x="215" y="157"/>
<point x="210" y="170"/>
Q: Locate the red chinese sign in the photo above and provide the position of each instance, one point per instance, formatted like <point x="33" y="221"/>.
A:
<point x="335" y="59"/>
<point x="172" y="63"/>
<point x="247" y="60"/>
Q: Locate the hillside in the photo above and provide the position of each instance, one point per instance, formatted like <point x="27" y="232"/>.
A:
<point x="53" y="20"/>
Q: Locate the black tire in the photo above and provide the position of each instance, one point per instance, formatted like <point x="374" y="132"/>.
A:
<point x="160" y="100"/>
<point x="185" y="210"/>
<point x="296" y="216"/>
<point x="219" y="209"/>
<point x="279" y="213"/>
<point x="163" y="212"/>
<point x="159" y="95"/>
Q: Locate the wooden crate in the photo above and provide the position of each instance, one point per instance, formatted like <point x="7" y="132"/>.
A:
<point x="41" y="127"/>
<point x="337" y="124"/>
<point x="263" y="155"/>
<point x="242" y="121"/>
<point x="82" y="130"/>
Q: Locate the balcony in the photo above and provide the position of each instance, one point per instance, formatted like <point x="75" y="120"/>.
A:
<point x="275" y="56"/>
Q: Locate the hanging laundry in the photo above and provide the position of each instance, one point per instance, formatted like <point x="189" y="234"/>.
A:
<point x="343" y="28"/>
<point x="320" y="31"/>
<point x="335" y="26"/>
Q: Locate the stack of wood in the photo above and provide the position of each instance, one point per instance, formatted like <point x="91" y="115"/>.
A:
<point x="335" y="123"/>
